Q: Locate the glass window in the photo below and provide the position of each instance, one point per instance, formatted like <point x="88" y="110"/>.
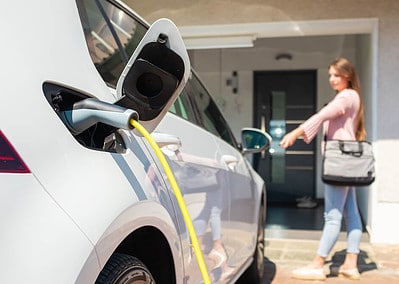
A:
<point x="183" y="108"/>
<point x="111" y="35"/>
<point x="211" y="117"/>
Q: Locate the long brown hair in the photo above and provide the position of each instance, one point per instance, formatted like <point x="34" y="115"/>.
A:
<point x="346" y="69"/>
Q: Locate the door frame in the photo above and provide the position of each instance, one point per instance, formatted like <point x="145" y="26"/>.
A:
<point x="257" y="122"/>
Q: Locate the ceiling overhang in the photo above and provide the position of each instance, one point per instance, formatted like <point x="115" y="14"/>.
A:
<point x="244" y="35"/>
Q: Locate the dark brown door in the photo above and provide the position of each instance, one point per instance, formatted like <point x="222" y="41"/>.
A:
<point x="282" y="101"/>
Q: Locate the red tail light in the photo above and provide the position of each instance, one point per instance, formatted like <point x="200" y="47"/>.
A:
<point x="10" y="161"/>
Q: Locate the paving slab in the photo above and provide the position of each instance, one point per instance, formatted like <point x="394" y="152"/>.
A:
<point x="378" y="263"/>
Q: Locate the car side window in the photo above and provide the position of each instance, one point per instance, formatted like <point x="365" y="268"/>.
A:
<point x="183" y="108"/>
<point x="210" y="115"/>
<point x="111" y="35"/>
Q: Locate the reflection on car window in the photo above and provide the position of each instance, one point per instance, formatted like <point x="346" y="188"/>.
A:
<point x="111" y="36"/>
<point x="183" y="108"/>
<point x="211" y="117"/>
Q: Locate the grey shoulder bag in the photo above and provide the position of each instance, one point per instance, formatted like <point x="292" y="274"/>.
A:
<point x="348" y="163"/>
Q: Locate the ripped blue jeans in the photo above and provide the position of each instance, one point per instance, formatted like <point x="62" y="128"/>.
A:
<point x="340" y="202"/>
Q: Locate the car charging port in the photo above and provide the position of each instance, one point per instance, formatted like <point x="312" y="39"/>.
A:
<point x="87" y="120"/>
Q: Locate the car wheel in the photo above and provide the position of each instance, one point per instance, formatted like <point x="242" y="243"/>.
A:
<point x="254" y="273"/>
<point x="124" y="269"/>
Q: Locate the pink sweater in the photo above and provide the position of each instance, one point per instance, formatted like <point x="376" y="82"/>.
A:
<point x="339" y="117"/>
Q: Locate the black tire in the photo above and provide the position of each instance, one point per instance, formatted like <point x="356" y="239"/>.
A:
<point x="124" y="269"/>
<point x="254" y="273"/>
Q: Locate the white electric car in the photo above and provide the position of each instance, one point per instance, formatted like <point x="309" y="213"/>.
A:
<point x="83" y="197"/>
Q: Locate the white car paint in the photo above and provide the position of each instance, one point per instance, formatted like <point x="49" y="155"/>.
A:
<point x="62" y="221"/>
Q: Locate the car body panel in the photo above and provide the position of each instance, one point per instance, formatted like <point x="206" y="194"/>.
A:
<point x="210" y="182"/>
<point x="37" y="235"/>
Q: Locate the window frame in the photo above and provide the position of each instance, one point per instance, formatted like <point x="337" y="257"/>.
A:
<point x="199" y="115"/>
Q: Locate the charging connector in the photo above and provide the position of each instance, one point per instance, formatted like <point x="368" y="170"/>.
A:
<point x="90" y="111"/>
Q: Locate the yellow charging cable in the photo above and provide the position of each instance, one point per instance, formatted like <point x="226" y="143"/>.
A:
<point x="180" y="200"/>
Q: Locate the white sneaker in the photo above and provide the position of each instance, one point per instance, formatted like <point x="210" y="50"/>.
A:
<point x="309" y="273"/>
<point x="307" y="204"/>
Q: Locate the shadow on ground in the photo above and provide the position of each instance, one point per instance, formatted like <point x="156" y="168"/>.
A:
<point x="364" y="262"/>
<point x="270" y="271"/>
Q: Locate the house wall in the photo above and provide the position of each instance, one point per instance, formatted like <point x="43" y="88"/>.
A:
<point x="381" y="201"/>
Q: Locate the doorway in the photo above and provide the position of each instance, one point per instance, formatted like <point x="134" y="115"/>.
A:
<point x="282" y="101"/>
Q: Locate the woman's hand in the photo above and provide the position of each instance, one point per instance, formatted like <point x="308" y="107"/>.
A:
<point x="290" y="138"/>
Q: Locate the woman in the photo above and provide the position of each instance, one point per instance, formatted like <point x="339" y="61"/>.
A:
<point x="342" y="119"/>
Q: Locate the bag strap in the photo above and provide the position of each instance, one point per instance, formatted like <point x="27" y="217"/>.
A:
<point x="325" y="131"/>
